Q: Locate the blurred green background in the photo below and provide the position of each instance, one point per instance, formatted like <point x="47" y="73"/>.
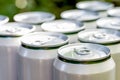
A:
<point x="12" y="7"/>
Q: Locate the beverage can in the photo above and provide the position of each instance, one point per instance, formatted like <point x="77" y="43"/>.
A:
<point x="84" y="61"/>
<point x="68" y="27"/>
<point x="37" y="53"/>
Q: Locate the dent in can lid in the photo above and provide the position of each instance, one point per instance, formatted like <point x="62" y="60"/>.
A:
<point x="80" y="15"/>
<point x="101" y="36"/>
<point x="15" y="29"/>
<point x="109" y="22"/>
<point x="3" y="19"/>
<point x="94" y="5"/>
<point x="63" y="26"/>
<point x="115" y="12"/>
<point x="44" y="40"/>
<point x="34" y="17"/>
<point x="83" y="52"/>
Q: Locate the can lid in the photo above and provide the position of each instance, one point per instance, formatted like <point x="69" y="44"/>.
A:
<point x="15" y="29"/>
<point x="101" y="36"/>
<point x="34" y="17"/>
<point x="109" y="22"/>
<point x="44" y="39"/>
<point x="63" y="26"/>
<point x="115" y="12"/>
<point x="94" y="5"/>
<point x="80" y="15"/>
<point x="3" y="19"/>
<point x="83" y="52"/>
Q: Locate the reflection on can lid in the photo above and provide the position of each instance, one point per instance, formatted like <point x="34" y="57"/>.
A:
<point x="94" y="5"/>
<point x="80" y="15"/>
<point x="3" y="19"/>
<point x="101" y="36"/>
<point x="15" y="29"/>
<point x="34" y="17"/>
<point x="63" y="26"/>
<point x="84" y="52"/>
<point x="44" y="39"/>
<point x="115" y="12"/>
<point x="109" y="22"/>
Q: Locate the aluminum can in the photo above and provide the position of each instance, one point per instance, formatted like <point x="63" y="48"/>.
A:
<point x="37" y="53"/>
<point x="68" y="27"/>
<point x="86" y="16"/>
<point x="84" y="61"/>
<point x="10" y="34"/>
<point x="109" y="23"/>
<point x="107" y="37"/>
<point x="3" y="19"/>
<point x="35" y="18"/>
<point x="98" y="6"/>
<point x="114" y="12"/>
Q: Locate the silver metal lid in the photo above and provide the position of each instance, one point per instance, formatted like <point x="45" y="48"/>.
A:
<point x="115" y="12"/>
<point x="63" y="26"/>
<point x="80" y="15"/>
<point x="109" y="22"/>
<point x="94" y="5"/>
<point x="44" y="39"/>
<point x="84" y="52"/>
<point x="15" y="29"/>
<point x="3" y="19"/>
<point x="101" y="36"/>
<point x="34" y="17"/>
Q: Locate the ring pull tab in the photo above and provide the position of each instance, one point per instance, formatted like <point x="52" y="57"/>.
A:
<point x="13" y="30"/>
<point x="100" y="35"/>
<point x="38" y="42"/>
<point x="115" y="23"/>
<point x="82" y="51"/>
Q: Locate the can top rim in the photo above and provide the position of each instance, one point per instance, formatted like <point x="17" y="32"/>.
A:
<point x="14" y="29"/>
<point x="3" y="19"/>
<point x="100" y="36"/>
<point x="114" y="12"/>
<point x="44" y="39"/>
<point x="62" y="52"/>
<point x="109" y="22"/>
<point x="63" y="26"/>
<point x="94" y="5"/>
<point x="80" y="15"/>
<point x="35" y="17"/>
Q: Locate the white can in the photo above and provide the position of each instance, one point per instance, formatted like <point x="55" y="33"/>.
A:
<point x="37" y="53"/>
<point x="114" y="12"/>
<point x="88" y="17"/>
<point x="84" y="62"/>
<point x="68" y="27"/>
<point x="98" y="6"/>
<point x="3" y="19"/>
<point x="10" y="34"/>
<point x="108" y="37"/>
<point x="109" y="23"/>
<point x="35" y="18"/>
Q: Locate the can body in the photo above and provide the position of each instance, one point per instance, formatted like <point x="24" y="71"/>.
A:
<point x="36" y="55"/>
<point x="101" y="71"/>
<point x="8" y="58"/>
<point x="36" y="64"/>
<point x="90" y="25"/>
<point x="115" y="52"/>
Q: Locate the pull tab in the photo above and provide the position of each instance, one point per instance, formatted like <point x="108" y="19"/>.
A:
<point x="100" y="35"/>
<point x="38" y="42"/>
<point x="82" y="51"/>
<point x="115" y="23"/>
<point x="13" y="30"/>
